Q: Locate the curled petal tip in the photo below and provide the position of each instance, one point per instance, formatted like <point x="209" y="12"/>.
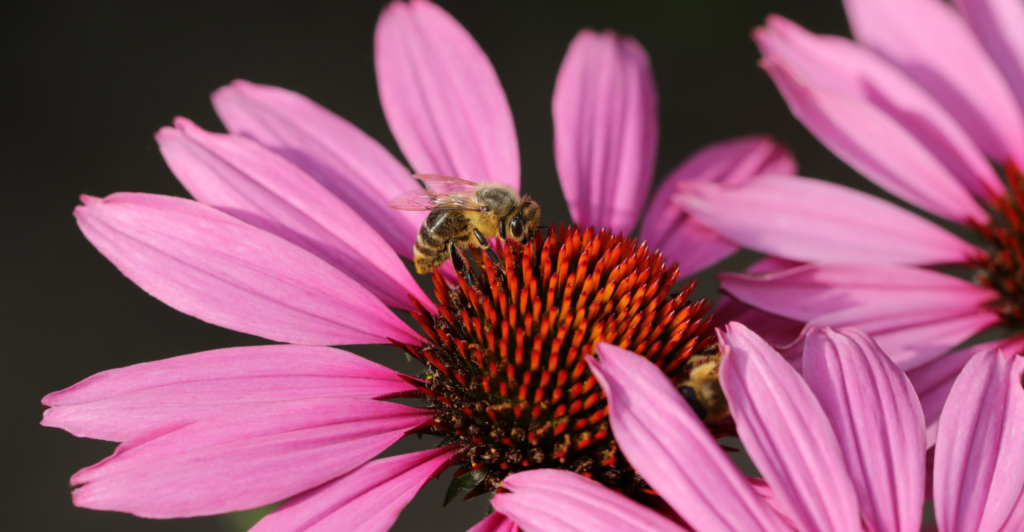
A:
<point x="165" y="132"/>
<point x="87" y="200"/>
<point x="181" y="122"/>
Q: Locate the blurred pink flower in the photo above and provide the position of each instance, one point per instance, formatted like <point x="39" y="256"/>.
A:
<point x="920" y="104"/>
<point x="291" y="240"/>
<point x="841" y="449"/>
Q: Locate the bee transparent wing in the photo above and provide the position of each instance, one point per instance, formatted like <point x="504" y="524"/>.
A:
<point x="427" y="200"/>
<point x="445" y="184"/>
<point x="413" y="200"/>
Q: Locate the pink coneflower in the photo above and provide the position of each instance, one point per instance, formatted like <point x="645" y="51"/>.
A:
<point x="290" y="239"/>
<point x="841" y="448"/>
<point x="927" y="104"/>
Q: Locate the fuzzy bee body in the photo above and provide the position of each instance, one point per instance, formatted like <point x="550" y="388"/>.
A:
<point x="431" y="248"/>
<point x="463" y="214"/>
<point x="702" y="388"/>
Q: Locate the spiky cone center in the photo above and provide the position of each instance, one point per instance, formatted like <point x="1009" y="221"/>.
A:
<point x="1001" y="266"/>
<point x="505" y="356"/>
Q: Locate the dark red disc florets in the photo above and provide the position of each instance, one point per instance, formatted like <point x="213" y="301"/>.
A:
<point x="1001" y="267"/>
<point x="506" y="373"/>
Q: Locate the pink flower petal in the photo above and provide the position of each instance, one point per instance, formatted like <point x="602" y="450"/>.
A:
<point x="117" y="404"/>
<point x="212" y="266"/>
<point x="933" y="381"/>
<point x="838" y="64"/>
<point x="691" y="244"/>
<point x="809" y="291"/>
<point x="877" y="418"/>
<point x="605" y="110"/>
<point x="1016" y="519"/>
<point x="810" y="220"/>
<point x="786" y="433"/>
<point x="979" y="467"/>
<point x="775" y="330"/>
<point x="771" y="264"/>
<point x="368" y="499"/>
<point x="933" y="45"/>
<point x="495" y="523"/>
<point x="340" y="156"/>
<point x="651" y="423"/>
<point x="911" y="332"/>
<point x="243" y="458"/>
<point x="875" y="145"/>
<point x="914" y="314"/>
<point x="552" y="500"/>
<point x="762" y="488"/>
<point x="257" y="186"/>
<point x="999" y="25"/>
<point x="441" y="96"/>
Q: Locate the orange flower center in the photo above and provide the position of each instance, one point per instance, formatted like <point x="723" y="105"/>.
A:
<point x="506" y="373"/>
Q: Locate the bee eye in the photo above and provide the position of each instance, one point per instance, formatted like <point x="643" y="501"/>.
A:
<point x="515" y="227"/>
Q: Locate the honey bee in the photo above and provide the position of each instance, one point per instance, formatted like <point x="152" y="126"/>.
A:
<point x="463" y="214"/>
<point x="702" y="390"/>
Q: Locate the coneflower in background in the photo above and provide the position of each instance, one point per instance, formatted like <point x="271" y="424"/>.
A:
<point x="928" y="104"/>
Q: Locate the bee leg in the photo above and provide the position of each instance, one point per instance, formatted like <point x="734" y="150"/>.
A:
<point x="459" y="262"/>
<point x="486" y="246"/>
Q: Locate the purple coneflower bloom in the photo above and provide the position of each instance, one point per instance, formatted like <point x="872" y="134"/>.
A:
<point x="291" y="239"/>
<point x="841" y="448"/>
<point x="923" y="103"/>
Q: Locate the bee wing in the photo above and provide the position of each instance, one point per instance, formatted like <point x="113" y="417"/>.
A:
<point x="422" y="199"/>
<point x="445" y="184"/>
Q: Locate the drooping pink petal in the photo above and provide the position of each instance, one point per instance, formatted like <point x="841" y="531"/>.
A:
<point x="605" y="110"/>
<point x="786" y="433"/>
<point x="912" y="332"/>
<point x="838" y="64"/>
<point x="223" y="271"/>
<point x="979" y="467"/>
<point x="809" y="291"/>
<point x="933" y="45"/>
<point x="259" y="187"/>
<point x="669" y="229"/>
<point x="553" y="500"/>
<point x="495" y="522"/>
<point x="999" y="25"/>
<point x="694" y="246"/>
<point x="878" y="420"/>
<point x="442" y="97"/>
<point x="243" y="458"/>
<point x="651" y="423"/>
<point x="811" y="220"/>
<point x="119" y="403"/>
<point x="368" y="499"/>
<point x="934" y="380"/>
<point x="914" y="314"/>
<point x="775" y="330"/>
<point x="336" y="153"/>
<point x="875" y="145"/>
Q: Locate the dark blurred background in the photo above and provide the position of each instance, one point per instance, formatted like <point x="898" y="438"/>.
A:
<point x="86" y="84"/>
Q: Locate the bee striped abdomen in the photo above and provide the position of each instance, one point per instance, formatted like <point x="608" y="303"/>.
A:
<point x="440" y="227"/>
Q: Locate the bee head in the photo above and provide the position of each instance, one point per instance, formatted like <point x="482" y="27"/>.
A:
<point x="524" y="223"/>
